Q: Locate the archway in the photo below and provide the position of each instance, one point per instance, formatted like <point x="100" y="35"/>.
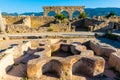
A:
<point x="51" y="13"/>
<point x="65" y="13"/>
<point x="76" y="14"/>
<point x="52" y="68"/>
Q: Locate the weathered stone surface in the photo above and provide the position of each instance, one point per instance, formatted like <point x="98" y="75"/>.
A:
<point x="66" y="67"/>
<point x="55" y="47"/>
<point x="2" y="26"/>
<point x="27" y="21"/>
<point x="87" y="53"/>
<point x="77" y="48"/>
<point x="6" y="63"/>
<point x="73" y="48"/>
<point x="43" y="52"/>
<point x="59" y="9"/>
<point x="18" y="50"/>
<point x="114" y="60"/>
<point x="37" y="67"/>
<point x="89" y="66"/>
<point x="102" y="50"/>
<point x="61" y="27"/>
<point x="65" y="47"/>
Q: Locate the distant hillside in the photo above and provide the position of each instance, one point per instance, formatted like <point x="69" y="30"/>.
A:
<point x="35" y="14"/>
<point x="27" y="14"/>
<point x="101" y="11"/>
<point x="91" y="12"/>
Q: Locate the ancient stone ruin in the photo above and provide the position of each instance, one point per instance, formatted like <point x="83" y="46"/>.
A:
<point x="42" y="59"/>
<point x="2" y="26"/>
<point x="40" y="48"/>
<point x="59" y="9"/>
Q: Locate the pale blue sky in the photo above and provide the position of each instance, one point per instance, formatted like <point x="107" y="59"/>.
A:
<point x="21" y="6"/>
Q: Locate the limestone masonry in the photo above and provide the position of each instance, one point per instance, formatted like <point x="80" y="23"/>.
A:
<point x="46" y="48"/>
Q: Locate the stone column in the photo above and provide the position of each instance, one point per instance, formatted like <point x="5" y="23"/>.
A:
<point x="2" y="26"/>
<point x="70" y="16"/>
<point x="58" y="11"/>
<point x="45" y="13"/>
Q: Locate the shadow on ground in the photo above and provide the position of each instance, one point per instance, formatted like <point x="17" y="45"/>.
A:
<point x="113" y="43"/>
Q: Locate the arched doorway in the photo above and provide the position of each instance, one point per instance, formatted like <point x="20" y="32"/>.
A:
<point x="51" y="13"/>
<point x="65" y="13"/>
<point x="52" y="68"/>
<point x="76" y="14"/>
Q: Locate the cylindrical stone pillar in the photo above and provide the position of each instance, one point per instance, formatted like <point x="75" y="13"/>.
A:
<point x="2" y="26"/>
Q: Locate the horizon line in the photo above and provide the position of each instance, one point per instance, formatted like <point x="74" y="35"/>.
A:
<point x="53" y="6"/>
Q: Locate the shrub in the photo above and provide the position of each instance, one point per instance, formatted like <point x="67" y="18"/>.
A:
<point x="83" y="15"/>
<point x="60" y="17"/>
<point x="111" y="36"/>
<point x="110" y="14"/>
<point x="25" y="78"/>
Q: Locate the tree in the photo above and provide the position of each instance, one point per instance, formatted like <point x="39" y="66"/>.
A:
<point x="110" y="14"/>
<point x="83" y="15"/>
<point x="60" y="17"/>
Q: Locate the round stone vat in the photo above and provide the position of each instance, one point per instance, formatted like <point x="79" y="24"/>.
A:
<point x="53" y="68"/>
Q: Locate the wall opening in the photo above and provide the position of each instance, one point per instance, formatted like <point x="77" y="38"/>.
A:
<point x="52" y="68"/>
<point x="76" y="14"/>
<point x="51" y="13"/>
<point x="65" y="13"/>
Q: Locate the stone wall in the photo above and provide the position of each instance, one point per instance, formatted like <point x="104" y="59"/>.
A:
<point x="61" y="27"/>
<point x="27" y="21"/>
<point x="25" y="29"/>
<point x="114" y="19"/>
<point x="102" y="49"/>
<point x="66" y="66"/>
<point x="90" y="24"/>
<point x="13" y="19"/>
<point x="7" y="57"/>
<point x="59" y="9"/>
<point x="94" y="25"/>
<point x="5" y="64"/>
<point x="44" y="51"/>
<point x="40" y="21"/>
<point x="114" y="60"/>
<point x="110" y="19"/>
<point x="28" y="24"/>
<point x="108" y="23"/>
<point x="30" y="21"/>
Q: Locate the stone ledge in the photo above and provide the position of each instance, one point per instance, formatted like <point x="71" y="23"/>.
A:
<point x="93" y="66"/>
<point x="114" y="60"/>
<point x="5" y="64"/>
<point x="102" y="50"/>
